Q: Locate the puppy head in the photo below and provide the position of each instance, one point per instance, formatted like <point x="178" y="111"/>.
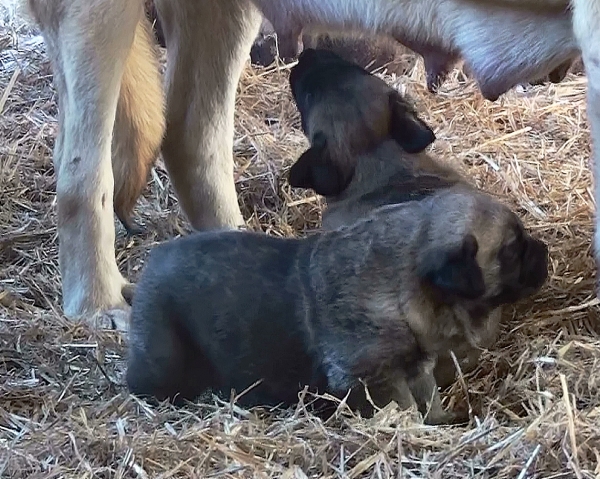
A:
<point x="345" y="111"/>
<point x="522" y="264"/>
<point x="478" y="253"/>
<point x="317" y="71"/>
<point x="329" y="173"/>
<point x="324" y="81"/>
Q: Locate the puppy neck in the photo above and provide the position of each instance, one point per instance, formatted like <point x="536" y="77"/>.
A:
<point x="441" y="327"/>
<point x="386" y="231"/>
<point x="374" y="169"/>
<point x="389" y="166"/>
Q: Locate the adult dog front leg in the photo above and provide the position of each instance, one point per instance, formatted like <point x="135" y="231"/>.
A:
<point x="586" y="24"/>
<point x="207" y="45"/>
<point x="88" y="42"/>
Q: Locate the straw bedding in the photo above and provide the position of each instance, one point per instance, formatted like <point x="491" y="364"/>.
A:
<point x="64" y="411"/>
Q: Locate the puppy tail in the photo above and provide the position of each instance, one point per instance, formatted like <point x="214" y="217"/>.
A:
<point x="139" y="123"/>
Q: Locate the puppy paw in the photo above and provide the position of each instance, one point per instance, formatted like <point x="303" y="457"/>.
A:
<point x="446" y="418"/>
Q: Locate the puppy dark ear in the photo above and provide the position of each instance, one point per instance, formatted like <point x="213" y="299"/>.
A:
<point x="534" y="264"/>
<point x="316" y="169"/>
<point x="411" y="133"/>
<point x="454" y="274"/>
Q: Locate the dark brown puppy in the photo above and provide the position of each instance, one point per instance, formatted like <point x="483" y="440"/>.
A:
<point x="375" y="301"/>
<point x="388" y="174"/>
<point x="346" y="111"/>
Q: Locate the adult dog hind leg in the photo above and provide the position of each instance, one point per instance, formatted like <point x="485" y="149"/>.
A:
<point x="88" y="42"/>
<point x="208" y="44"/>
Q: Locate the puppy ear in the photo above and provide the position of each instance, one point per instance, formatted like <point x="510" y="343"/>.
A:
<point x="534" y="264"/>
<point x="411" y="133"/>
<point x="454" y="274"/>
<point x="316" y="169"/>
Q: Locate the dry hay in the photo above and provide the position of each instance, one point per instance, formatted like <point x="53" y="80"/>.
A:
<point x="65" y="413"/>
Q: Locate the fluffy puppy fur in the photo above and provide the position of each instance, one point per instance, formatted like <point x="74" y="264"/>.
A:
<point x="375" y="302"/>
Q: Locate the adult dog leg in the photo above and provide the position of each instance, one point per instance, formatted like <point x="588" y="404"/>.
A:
<point x="208" y="43"/>
<point x="586" y="24"/>
<point x="88" y="42"/>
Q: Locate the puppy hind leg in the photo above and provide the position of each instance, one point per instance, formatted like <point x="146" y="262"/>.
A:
<point x="209" y="42"/>
<point x="88" y="42"/>
<point x="139" y="124"/>
<point x="155" y="363"/>
<point x="586" y="25"/>
<point x="163" y="362"/>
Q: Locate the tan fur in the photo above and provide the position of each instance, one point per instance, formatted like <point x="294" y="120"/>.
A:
<point x="117" y="89"/>
<point x="90" y="45"/>
<point x="201" y="83"/>
<point x="139" y="122"/>
<point x="88" y="79"/>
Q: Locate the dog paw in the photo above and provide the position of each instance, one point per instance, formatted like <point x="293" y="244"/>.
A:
<point x="446" y="418"/>
<point x="116" y="318"/>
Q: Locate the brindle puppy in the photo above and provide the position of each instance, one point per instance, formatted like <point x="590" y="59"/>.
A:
<point x="386" y="174"/>
<point x="376" y="301"/>
<point x="346" y="111"/>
